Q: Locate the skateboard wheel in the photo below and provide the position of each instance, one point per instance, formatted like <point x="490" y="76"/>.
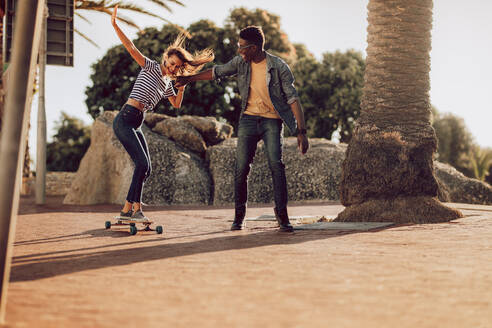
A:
<point x="158" y="229"/>
<point x="107" y="224"/>
<point x="132" y="224"/>
<point x="133" y="230"/>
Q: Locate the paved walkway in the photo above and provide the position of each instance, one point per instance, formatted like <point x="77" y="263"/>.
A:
<point x="68" y="271"/>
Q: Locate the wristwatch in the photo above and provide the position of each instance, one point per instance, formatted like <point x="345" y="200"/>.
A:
<point x="300" y="131"/>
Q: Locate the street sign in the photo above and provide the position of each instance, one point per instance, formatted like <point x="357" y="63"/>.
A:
<point x="59" y="48"/>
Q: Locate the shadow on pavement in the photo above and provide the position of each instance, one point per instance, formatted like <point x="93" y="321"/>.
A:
<point x="58" y="265"/>
<point x="54" y="204"/>
<point x="90" y="234"/>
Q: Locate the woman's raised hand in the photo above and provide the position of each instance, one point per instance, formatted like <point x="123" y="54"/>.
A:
<point x="113" y="16"/>
<point x="127" y="43"/>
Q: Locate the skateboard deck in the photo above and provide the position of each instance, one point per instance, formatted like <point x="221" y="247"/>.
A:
<point x="132" y="223"/>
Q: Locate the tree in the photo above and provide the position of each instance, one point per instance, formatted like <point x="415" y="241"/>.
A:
<point x="456" y="146"/>
<point x="276" y="40"/>
<point x="388" y="174"/>
<point x="69" y="144"/>
<point x="480" y="162"/>
<point x="455" y="142"/>
<point x="301" y="51"/>
<point x="488" y="177"/>
<point x="330" y="92"/>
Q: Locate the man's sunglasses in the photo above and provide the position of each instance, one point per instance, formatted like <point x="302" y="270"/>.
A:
<point x="244" y="47"/>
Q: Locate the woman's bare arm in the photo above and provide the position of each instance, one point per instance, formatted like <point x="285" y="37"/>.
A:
<point x="127" y="43"/>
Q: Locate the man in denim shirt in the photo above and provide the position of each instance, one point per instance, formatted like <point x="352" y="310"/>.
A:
<point x="269" y="98"/>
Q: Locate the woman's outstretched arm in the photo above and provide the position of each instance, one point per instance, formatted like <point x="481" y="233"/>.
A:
<point x="184" y="80"/>
<point x="130" y="47"/>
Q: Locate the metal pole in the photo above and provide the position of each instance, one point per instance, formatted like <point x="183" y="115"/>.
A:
<point x="41" y="135"/>
<point x="24" y="55"/>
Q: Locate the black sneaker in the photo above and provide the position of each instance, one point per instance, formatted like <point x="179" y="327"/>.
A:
<point x="283" y="220"/>
<point x="286" y="228"/>
<point x="126" y="215"/>
<point x="239" y="214"/>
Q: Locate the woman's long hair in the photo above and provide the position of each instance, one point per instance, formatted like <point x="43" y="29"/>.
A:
<point x="191" y="63"/>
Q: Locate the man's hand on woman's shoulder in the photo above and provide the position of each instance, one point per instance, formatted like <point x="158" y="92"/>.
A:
<point x="181" y="81"/>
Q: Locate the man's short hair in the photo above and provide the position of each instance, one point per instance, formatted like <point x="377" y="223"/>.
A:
<point x="254" y="35"/>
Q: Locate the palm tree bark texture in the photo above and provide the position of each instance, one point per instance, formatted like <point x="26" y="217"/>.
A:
<point x="387" y="174"/>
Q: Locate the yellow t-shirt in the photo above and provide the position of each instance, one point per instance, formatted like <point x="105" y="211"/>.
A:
<point x="259" y="102"/>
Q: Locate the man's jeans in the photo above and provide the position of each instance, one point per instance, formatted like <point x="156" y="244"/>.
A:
<point x="251" y="130"/>
<point x="127" y="127"/>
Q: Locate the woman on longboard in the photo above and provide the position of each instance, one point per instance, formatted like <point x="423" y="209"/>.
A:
<point x="153" y="83"/>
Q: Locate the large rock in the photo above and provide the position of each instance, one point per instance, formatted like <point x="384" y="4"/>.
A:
<point x="212" y="131"/>
<point x="313" y="176"/>
<point x="183" y="133"/>
<point x="458" y="188"/>
<point x="193" y="132"/>
<point x="102" y="171"/>
<point x="105" y="172"/>
<point x="151" y="118"/>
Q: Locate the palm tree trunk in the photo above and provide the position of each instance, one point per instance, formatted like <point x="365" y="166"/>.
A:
<point x="388" y="174"/>
<point x="26" y="171"/>
<point x="2" y="98"/>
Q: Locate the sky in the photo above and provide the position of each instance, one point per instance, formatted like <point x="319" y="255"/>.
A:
<point x="461" y="65"/>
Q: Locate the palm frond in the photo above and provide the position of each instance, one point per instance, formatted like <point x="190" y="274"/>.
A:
<point x="125" y="19"/>
<point x="83" y="18"/>
<point x="140" y="10"/>
<point x="87" y="4"/>
<point x="162" y="3"/>
<point x="86" y="37"/>
<point x="480" y="162"/>
<point x="105" y="6"/>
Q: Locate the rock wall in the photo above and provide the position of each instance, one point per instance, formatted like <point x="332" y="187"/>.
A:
<point x="193" y="161"/>
<point x="57" y="184"/>
<point x="313" y="176"/>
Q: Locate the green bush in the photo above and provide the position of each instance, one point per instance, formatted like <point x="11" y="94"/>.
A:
<point x="69" y="144"/>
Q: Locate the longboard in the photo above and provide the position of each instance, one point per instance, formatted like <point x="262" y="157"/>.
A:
<point x="133" y="225"/>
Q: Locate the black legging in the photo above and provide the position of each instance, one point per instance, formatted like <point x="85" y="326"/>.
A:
<point x="127" y="128"/>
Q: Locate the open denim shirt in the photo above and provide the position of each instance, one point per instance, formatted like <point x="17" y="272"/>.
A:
<point x="280" y="82"/>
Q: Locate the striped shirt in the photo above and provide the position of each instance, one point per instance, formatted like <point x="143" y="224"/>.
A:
<point x="151" y="86"/>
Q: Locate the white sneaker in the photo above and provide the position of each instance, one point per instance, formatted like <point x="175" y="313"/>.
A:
<point x="139" y="216"/>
